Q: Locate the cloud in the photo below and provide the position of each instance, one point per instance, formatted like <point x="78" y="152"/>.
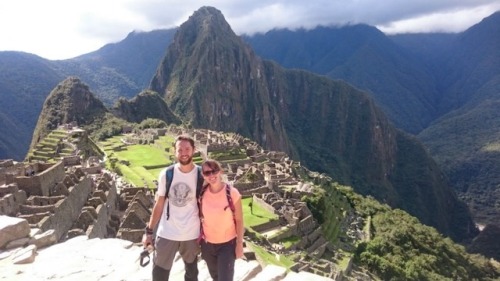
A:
<point x="60" y="29"/>
<point x="449" y="21"/>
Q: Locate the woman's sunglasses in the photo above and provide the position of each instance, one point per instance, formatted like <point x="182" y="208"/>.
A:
<point x="208" y="173"/>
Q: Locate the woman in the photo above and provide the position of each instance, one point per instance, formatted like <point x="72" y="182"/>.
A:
<point x="222" y="223"/>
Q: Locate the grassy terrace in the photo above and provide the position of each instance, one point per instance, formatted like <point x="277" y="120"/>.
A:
<point x="138" y="164"/>
<point x="254" y="215"/>
<point x="45" y="150"/>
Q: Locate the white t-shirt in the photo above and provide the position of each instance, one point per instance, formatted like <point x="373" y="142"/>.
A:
<point x="184" y="222"/>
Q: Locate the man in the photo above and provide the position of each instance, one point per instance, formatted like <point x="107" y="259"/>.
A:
<point x="177" y="216"/>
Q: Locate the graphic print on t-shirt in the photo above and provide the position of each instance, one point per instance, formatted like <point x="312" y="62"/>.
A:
<point x="179" y="195"/>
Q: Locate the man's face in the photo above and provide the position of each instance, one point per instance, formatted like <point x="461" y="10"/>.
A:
<point x="184" y="152"/>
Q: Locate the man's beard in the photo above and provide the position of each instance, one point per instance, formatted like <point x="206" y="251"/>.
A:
<point x="186" y="162"/>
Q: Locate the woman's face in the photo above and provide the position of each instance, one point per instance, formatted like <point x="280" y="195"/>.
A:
<point x="211" y="174"/>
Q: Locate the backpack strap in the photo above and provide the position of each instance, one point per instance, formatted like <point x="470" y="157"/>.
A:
<point x="169" y="173"/>
<point x="199" y="183"/>
<point x="230" y="202"/>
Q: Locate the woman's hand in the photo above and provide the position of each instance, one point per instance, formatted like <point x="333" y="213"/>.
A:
<point x="239" y="249"/>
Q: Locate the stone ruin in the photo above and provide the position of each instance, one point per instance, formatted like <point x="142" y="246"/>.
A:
<point x="67" y="201"/>
<point x="74" y="199"/>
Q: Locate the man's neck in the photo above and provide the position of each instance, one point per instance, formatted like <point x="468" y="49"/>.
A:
<point x="186" y="168"/>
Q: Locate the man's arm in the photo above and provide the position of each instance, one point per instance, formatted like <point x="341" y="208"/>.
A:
<point x="153" y="220"/>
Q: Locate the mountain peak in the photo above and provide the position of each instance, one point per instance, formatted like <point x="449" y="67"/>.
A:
<point x="70" y="101"/>
<point x="208" y="18"/>
<point x="207" y="23"/>
<point x="75" y="97"/>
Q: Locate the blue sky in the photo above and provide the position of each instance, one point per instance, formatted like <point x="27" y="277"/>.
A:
<point x="62" y="29"/>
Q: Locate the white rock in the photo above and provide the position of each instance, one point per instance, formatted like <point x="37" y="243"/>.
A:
<point x="12" y="228"/>
<point x="25" y="255"/>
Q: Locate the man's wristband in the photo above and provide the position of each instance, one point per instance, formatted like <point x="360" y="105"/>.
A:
<point x="148" y="231"/>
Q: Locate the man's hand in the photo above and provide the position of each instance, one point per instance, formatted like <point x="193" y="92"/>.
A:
<point x="147" y="238"/>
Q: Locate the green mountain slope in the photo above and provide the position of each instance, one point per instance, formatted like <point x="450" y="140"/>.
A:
<point x="465" y="141"/>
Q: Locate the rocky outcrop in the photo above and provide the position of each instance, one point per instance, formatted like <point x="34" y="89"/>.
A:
<point x="145" y="105"/>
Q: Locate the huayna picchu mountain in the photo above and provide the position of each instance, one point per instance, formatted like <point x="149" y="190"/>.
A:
<point x="214" y="81"/>
<point x="70" y="101"/>
<point x="211" y="79"/>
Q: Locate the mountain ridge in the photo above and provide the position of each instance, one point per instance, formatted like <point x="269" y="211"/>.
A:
<point x="47" y="91"/>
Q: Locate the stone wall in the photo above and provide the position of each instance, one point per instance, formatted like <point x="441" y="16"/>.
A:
<point x="289" y="232"/>
<point x="244" y="186"/>
<point x="10" y="199"/>
<point x="266" y="226"/>
<point x="99" y="229"/>
<point x="71" y="160"/>
<point x="68" y="210"/>
<point x="6" y="163"/>
<point x="307" y="225"/>
<point x="41" y="182"/>
<point x="263" y="204"/>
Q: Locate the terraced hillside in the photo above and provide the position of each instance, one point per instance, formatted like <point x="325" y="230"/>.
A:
<point x="55" y="145"/>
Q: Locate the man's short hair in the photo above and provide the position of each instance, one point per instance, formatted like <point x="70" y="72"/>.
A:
<point x="184" y="138"/>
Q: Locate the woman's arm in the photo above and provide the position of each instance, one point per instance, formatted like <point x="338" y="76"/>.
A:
<point x="240" y="229"/>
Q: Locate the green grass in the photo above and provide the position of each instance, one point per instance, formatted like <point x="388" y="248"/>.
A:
<point x="344" y="262"/>
<point x="270" y="258"/>
<point x="290" y="241"/>
<point x="139" y="156"/>
<point x="142" y="155"/>
<point x="256" y="216"/>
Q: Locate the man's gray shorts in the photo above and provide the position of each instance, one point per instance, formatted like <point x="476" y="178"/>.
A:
<point x="165" y="251"/>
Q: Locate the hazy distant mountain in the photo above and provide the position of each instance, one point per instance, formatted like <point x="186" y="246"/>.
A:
<point x="120" y="69"/>
<point x="25" y="82"/>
